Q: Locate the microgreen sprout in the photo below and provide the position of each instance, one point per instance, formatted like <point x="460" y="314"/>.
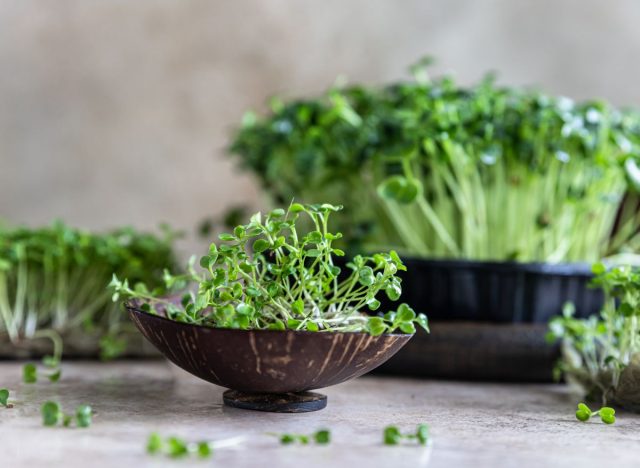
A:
<point x="4" y="398"/>
<point x="52" y="363"/>
<point x="176" y="447"/>
<point x="270" y="274"/>
<point x="584" y="414"/>
<point x="320" y="437"/>
<point x="52" y="415"/>
<point x="602" y="354"/>
<point x="392" y="435"/>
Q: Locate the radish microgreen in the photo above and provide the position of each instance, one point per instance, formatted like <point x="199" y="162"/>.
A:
<point x="176" y="447"/>
<point x="393" y="436"/>
<point x="584" y="414"/>
<point x="52" y="415"/>
<point x="272" y="274"/>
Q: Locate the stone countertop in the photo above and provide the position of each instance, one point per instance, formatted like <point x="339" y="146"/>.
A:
<point x="472" y="424"/>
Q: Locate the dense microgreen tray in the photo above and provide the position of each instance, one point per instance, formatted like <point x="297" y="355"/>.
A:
<point x="53" y="282"/>
<point x="435" y="169"/>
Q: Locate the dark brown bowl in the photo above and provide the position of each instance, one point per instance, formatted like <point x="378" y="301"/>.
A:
<point x="265" y="361"/>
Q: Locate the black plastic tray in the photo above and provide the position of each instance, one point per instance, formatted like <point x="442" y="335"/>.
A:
<point x="499" y="292"/>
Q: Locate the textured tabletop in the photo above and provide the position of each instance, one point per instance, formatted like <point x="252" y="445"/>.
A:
<point x="472" y="425"/>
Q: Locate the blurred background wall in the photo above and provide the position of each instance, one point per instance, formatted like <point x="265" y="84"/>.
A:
<point x="118" y="112"/>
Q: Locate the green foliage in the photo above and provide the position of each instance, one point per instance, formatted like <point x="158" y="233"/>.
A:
<point x="584" y="414"/>
<point x="175" y="447"/>
<point x="393" y="436"/>
<point x="29" y="373"/>
<point x="53" y="282"/>
<point x="4" y="398"/>
<point x="52" y="415"/>
<point x="602" y="354"/>
<point x="269" y="274"/>
<point x="84" y="415"/>
<point x="435" y="169"/>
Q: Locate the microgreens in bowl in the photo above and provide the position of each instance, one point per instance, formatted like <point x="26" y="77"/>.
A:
<point x="273" y="274"/>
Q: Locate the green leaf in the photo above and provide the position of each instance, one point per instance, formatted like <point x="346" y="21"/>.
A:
<point x="154" y="443"/>
<point x="598" y="268"/>
<point x="373" y="304"/>
<point x="287" y="439"/>
<point x="29" y="373"/>
<point x="298" y="307"/>
<point x="51" y="413"/>
<point x="376" y="326"/>
<point x="391" y="435"/>
<point x="252" y="292"/>
<point x="422" y="434"/>
<point x="312" y="327"/>
<point x="400" y="189"/>
<point x="423" y="321"/>
<point x="260" y="245"/>
<point x="393" y="291"/>
<point x="366" y="276"/>
<point x="296" y="208"/>
<point x="176" y="447"/>
<point x="407" y="327"/>
<point x="204" y="449"/>
<point x="4" y="397"/>
<point x="84" y="414"/>
<point x="323" y="436"/>
<point x="405" y="313"/>
<point x="277" y="325"/>
<point x="54" y="377"/>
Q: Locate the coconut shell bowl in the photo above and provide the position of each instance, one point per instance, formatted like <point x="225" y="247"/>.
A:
<point x="267" y="370"/>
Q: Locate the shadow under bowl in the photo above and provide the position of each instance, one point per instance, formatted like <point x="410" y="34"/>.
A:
<point x="265" y="361"/>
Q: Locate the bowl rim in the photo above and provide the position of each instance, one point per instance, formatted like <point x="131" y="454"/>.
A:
<point x="131" y="308"/>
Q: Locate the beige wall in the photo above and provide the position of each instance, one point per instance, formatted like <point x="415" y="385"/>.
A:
<point x="117" y="111"/>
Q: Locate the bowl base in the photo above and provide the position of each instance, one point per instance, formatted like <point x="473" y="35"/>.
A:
<point x="302" y="402"/>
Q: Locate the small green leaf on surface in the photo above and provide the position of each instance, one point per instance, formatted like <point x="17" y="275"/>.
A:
<point x="83" y="415"/>
<point x="584" y="413"/>
<point x="154" y="443"/>
<point x="51" y="413"/>
<point x="392" y="435"/>
<point x="29" y="373"/>
<point x="323" y="436"/>
<point x="4" y="398"/>
<point x="176" y="447"/>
